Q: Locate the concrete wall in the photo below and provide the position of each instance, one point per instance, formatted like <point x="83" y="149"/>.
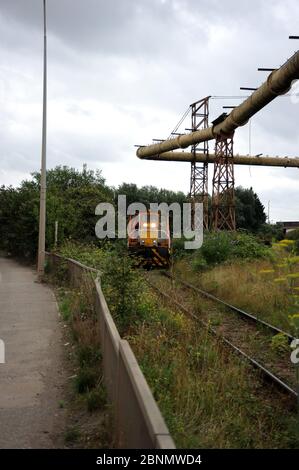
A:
<point x="139" y="422"/>
<point x="110" y="340"/>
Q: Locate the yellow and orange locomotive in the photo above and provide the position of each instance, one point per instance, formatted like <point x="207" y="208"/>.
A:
<point x="148" y="240"/>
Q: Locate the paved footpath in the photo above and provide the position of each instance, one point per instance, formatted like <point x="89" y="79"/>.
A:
<point x="32" y="378"/>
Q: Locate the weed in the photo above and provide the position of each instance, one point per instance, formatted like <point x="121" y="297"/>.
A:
<point x="208" y="397"/>
<point x="88" y="355"/>
<point x="65" y="308"/>
<point x="280" y="343"/>
<point x="96" y="399"/>
<point x="86" y="380"/>
<point x="219" y="247"/>
<point x="72" y="435"/>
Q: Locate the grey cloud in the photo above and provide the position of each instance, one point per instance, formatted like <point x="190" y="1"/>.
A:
<point x="100" y="26"/>
<point x="147" y="59"/>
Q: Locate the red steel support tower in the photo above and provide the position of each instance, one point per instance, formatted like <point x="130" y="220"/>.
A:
<point x="223" y="200"/>
<point x="199" y="171"/>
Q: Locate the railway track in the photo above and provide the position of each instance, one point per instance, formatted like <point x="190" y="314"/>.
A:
<point x="268" y="375"/>
<point x="245" y="315"/>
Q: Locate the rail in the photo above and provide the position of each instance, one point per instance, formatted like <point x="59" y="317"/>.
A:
<point x="265" y="372"/>
<point x="248" y="316"/>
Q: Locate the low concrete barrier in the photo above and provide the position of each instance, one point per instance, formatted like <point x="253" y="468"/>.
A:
<point x="139" y="422"/>
<point x="110" y="340"/>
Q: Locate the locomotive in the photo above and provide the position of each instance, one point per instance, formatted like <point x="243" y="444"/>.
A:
<point x="148" y="241"/>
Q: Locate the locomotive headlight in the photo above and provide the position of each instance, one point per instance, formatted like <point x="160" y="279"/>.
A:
<point x="144" y="225"/>
<point x="153" y="225"/>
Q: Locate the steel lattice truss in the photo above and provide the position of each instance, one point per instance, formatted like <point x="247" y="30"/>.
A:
<point x="199" y="171"/>
<point x="223" y="201"/>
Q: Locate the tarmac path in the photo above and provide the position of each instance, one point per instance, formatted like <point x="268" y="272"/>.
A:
<point x="32" y="377"/>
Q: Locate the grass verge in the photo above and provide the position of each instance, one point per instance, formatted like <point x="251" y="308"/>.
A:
<point x="89" y="416"/>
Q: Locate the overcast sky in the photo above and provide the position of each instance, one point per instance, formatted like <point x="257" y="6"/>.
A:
<point x="122" y="72"/>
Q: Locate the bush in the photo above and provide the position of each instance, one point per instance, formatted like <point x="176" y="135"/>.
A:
<point x="122" y="285"/>
<point x="294" y="235"/>
<point x="280" y="343"/>
<point x="86" y="380"/>
<point x="178" y="248"/>
<point x="248" y="247"/>
<point x="219" y="247"/>
<point x="96" y="399"/>
<point x="268" y="232"/>
<point x="199" y="263"/>
<point x="216" y="247"/>
<point x="72" y="435"/>
<point x="65" y="308"/>
<point x="89" y="254"/>
<point x="89" y="355"/>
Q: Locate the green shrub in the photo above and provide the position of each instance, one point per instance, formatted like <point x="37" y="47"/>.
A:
<point x="294" y="235"/>
<point x="88" y="355"/>
<point x="72" y="435"/>
<point x="280" y="343"/>
<point x="178" y="248"/>
<point x="248" y="247"/>
<point x="65" y="308"/>
<point x="122" y="285"/>
<point x="86" y="380"/>
<point x="219" y="247"/>
<point x="89" y="254"/>
<point x="61" y="273"/>
<point x="96" y="399"/>
<point x="268" y="232"/>
<point x="199" y="263"/>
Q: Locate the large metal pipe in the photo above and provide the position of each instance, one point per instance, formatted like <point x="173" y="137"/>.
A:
<point x="285" y="162"/>
<point x="278" y="83"/>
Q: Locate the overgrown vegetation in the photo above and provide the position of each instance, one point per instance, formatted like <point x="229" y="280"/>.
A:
<point x="85" y="331"/>
<point x="208" y="397"/>
<point x="256" y="278"/>
<point x="250" y="213"/>
<point x="121" y="282"/>
<point x="219" y="247"/>
<point x="71" y="200"/>
<point x="294" y="235"/>
<point x="77" y="310"/>
<point x="72" y="197"/>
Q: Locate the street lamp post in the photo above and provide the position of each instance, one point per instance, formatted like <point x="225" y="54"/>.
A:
<point x="42" y="207"/>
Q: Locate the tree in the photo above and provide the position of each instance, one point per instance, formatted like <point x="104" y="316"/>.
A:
<point x="72" y="197"/>
<point x="250" y="212"/>
<point x="148" y="194"/>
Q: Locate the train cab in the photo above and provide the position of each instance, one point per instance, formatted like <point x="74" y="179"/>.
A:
<point x="149" y="239"/>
